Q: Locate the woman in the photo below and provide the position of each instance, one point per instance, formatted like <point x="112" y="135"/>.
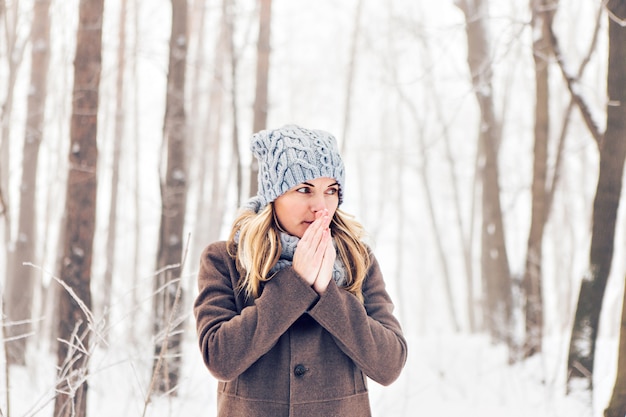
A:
<point x="292" y="313"/>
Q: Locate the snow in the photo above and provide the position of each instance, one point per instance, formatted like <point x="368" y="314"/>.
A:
<point x="445" y="375"/>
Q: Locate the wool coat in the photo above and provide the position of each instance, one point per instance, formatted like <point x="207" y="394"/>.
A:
<point x="292" y="352"/>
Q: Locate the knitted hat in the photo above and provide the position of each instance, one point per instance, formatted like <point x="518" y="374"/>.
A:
<point x="292" y="155"/>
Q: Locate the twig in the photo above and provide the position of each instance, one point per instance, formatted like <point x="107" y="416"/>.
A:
<point x="7" y="377"/>
<point x="91" y="321"/>
<point x="160" y="359"/>
<point x="566" y="119"/>
<point x="70" y="377"/>
<point x="3" y="205"/>
<point x="572" y="85"/>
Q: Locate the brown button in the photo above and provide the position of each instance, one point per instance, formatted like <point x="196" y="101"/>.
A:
<point x="299" y="370"/>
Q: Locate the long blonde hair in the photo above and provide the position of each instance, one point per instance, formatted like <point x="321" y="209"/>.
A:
<point x="255" y="244"/>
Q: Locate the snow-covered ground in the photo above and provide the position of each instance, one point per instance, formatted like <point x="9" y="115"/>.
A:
<point x="454" y="375"/>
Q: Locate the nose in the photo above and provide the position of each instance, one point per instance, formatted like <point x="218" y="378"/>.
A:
<point x="317" y="202"/>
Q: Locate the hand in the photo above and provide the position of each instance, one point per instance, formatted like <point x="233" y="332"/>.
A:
<point x="312" y="248"/>
<point x="326" y="270"/>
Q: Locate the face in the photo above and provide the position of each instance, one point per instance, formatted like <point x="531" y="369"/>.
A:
<point x="295" y="210"/>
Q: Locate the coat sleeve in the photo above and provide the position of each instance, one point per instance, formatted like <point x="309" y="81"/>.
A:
<point x="232" y="340"/>
<point x="367" y="332"/>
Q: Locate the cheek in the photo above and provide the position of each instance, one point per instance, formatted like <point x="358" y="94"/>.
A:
<point x="287" y="212"/>
<point x="332" y="205"/>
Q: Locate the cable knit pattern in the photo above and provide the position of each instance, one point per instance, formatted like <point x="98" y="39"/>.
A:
<point x="291" y="155"/>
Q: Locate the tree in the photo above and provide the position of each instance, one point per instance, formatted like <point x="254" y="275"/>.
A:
<point x="200" y="150"/>
<point x="617" y="404"/>
<point x="14" y="52"/>
<point x="542" y="12"/>
<point x="494" y="258"/>
<point x="136" y="157"/>
<point x="465" y="237"/>
<point x="117" y="145"/>
<point x="262" y="76"/>
<point x="426" y="183"/>
<point x="354" y="41"/>
<point x="612" y="147"/>
<point x="228" y="12"/>
<point x="211" y="137"/>
<point x="167" y="284"/>
<point x="20" y="278"/>
<point x="75" y="321"/>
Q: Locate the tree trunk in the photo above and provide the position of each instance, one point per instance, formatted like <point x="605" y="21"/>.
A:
<point x="120" y="112"/>
<point x="20" y="278"/>
<point x="347" y="107"/>
<point x="426" y="183"/>
<point x="542" y="13"/>
<point x="228" y="11"/>
<point x="199" y="152"/>
<point x="605" y="206"/>
<point x="214" y="124"/>
<point x="262" y="75"/>
<point x="494" y="258"/>
<point x="617" y="404"/>
<point x="74" y="308"/>
<point x="465" y="238"/>
<point x="136" y="206"/>
<point x="168" y="326"/>
<point x="14" y="53"/>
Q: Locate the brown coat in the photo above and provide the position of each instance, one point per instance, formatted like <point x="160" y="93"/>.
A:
<point x="292" y="352"/>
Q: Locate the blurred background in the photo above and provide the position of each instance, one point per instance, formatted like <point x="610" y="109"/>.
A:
<point x="484" y="147"/>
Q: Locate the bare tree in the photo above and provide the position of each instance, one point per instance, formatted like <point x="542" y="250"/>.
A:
<point x="426" y="183"/>
<point x="617" y="404"/>
<point x="14" y="53"/>
<point x="542" y="12"/>
<point x="262" y="75"/>
<point x="4" y="154"/>
<point x="210" y="225"/>
<point x="20" y="278"/>
<point x="80" y="208"/>
<point x="120" y="118"/>
<point x="347" y="107"/>
<point x="136" y="163"/>
<point x="608" y="192"/>
<point x="533" y="274"/>
<point x="199" y="152"/>
<point x="494" y="258"/>
<point x="168" y="327"/>
<point x="465" y="237"/>
<point x="228" y="11"/>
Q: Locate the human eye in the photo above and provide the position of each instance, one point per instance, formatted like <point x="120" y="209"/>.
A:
<point x="303" y="190"/>
<point x="332" y="191"/>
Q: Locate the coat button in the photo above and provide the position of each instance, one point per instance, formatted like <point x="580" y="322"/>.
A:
<point x="299" y="370"/>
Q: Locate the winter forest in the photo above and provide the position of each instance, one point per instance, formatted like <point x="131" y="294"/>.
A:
<point x="484" y="144"/>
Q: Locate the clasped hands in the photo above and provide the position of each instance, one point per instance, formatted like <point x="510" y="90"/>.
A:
<point x="315" y="254"/>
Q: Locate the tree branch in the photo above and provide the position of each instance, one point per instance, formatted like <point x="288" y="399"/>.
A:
<point x="572" y="82"/>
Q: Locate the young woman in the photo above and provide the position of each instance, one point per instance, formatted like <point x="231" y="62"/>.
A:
<point x="292" y="314"/>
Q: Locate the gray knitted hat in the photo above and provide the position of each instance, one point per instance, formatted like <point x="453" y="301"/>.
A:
<point x="292" y="155"/>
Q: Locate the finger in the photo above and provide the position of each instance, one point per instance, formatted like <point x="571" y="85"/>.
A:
<point x="326" y="268"/>
<point x="309" y="254"/>
<point x="313" y="234"/>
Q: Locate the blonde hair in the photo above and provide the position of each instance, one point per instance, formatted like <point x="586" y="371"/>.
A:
<point x="255" y="244"/>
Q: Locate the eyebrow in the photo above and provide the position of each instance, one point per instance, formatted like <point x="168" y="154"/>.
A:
<point x="311" y="185"/>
